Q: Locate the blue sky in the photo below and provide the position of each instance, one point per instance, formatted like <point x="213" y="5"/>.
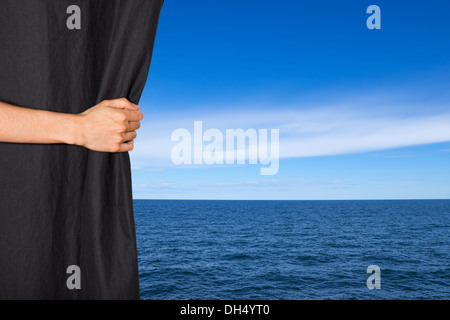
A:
<point x="362" y="114"/>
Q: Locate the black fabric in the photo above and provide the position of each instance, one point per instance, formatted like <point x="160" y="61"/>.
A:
<point x="63" y="205"/>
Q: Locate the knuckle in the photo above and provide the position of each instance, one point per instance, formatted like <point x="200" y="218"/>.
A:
<point x="119" y="116"/>
<point x="118" y="139"/>
<point x="115" y="148"/>
<point x="123" y="102"/>
<point x="121" y="128"/>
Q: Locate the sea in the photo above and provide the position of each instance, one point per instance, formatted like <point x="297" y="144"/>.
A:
<point x="293" y="250"/>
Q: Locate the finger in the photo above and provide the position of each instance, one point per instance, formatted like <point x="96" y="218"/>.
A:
<point x="133" y="116"/>
<point x="132" y="106"/>
<point x="133" y="126"/>
<point x="128" y="136"/>
<point x="123" y="103"/>
<point x="127" y="146"/>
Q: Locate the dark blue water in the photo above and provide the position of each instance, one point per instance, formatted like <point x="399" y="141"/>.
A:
<point x="293" y="249"/>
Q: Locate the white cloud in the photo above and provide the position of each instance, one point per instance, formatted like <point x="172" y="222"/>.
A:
<point x="305" y="131"/>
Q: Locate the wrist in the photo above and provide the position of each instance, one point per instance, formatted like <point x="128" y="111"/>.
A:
<point x="74" y="133"/>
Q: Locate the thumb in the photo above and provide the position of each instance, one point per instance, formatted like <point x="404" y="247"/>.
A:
<point x="123" y="103"/>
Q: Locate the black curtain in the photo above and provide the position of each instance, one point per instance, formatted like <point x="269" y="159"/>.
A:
<point x="63" y="205"/>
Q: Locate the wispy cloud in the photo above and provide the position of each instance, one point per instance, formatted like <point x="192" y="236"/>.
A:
<point x="305" y="130"/>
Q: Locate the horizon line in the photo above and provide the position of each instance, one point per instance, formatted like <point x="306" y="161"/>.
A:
<point x="405" y="199"/>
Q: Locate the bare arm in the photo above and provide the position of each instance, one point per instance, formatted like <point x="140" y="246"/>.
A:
<point x="109" y="126"/>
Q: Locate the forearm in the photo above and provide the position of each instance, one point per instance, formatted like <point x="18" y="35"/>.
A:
<point x="24" y="125"/>
<point x="109" y="126"/>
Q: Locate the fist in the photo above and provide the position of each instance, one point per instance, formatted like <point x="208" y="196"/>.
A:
<point x="109" y="126"/>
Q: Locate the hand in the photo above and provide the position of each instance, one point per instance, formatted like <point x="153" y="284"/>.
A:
<point x="109" y="126"/>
